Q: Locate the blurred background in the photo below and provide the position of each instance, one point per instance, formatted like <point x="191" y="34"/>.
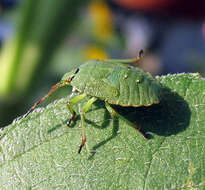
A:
<point x="42" y="40"/>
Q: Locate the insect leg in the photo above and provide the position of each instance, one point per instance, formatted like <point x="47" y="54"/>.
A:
<point x="53" y="89"/>
<point x="135" y="60"/>
<point x="85" y="108"/>
<point x="114" y="113"/>
<point x="70" y="104"/>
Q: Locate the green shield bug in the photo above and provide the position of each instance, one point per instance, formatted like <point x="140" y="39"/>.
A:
<point x="110" y="81"/>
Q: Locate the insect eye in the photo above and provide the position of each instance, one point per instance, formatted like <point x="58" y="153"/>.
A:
<point x="77" y="70"/>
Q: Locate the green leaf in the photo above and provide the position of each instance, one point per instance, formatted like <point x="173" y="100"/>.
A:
<point x="40" y="151"/>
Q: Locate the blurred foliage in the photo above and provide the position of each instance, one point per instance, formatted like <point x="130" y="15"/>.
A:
<point x="41" y="28"/>
<point x="51" y="38"/>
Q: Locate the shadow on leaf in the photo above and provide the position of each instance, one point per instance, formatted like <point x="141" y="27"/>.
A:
<point x="169" y="117"/>
<point x="114" y="134"/>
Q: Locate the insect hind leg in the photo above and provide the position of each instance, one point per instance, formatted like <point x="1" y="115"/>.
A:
<point x="115" y="113"/>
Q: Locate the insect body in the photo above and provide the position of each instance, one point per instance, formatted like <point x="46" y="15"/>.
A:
<point x="112" y="82"/>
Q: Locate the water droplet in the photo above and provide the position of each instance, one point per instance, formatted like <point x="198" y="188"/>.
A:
<point x="139" y="79"/>
<point x="196" y="74"/>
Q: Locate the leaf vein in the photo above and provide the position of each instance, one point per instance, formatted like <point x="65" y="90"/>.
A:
<point x="150" y="163"/>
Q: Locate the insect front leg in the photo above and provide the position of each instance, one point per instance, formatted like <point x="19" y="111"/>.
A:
<point x="70" y="104"/>
<point x="114" y="113"/>
<point x="85" y="108"/>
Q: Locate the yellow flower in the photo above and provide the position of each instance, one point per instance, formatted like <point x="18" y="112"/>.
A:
<point x="102" y="19"/>
<point x="94" y="52"/>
